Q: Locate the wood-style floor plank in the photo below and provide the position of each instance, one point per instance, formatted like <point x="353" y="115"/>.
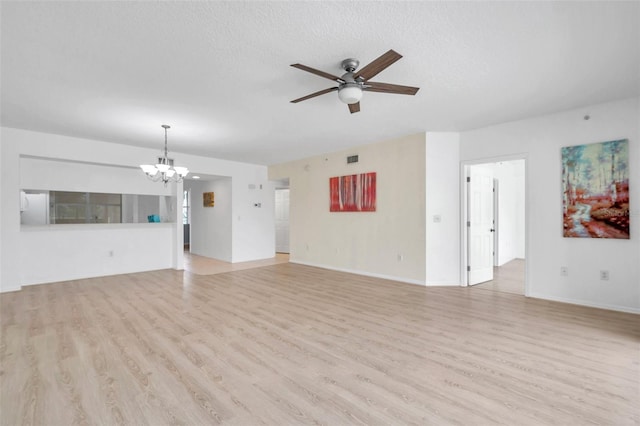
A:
<point x="289" y="344"/>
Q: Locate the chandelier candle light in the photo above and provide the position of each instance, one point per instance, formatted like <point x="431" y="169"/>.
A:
<point x="164" y="170"/>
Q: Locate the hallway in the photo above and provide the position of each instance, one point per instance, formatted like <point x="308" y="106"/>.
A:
<point x="201" y="265"/>
<point x="508" y="278"/>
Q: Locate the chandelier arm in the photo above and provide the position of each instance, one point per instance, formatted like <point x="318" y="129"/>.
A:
<point x="154" y="178"/>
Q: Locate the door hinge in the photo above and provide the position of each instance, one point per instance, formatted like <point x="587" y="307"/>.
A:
<point x="468" y="223"/>
<point x="468" y="178"/>
<point x="468" y="268"/>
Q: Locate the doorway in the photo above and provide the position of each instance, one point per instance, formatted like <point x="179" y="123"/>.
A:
<point x="208" y="210"/>
<point x="281" y="216"/>
<point x="186" y="219"/>
<point x="494" y="237"/>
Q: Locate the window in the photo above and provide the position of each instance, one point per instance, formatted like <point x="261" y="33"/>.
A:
<point x="84" y="207"/>
<point x="185" y="206"/>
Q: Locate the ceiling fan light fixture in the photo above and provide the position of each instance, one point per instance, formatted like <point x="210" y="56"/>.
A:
<point x="355" y="81"/>
<point x="350" y="93"/>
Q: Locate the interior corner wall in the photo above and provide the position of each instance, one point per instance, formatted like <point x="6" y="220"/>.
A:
<point x="50" y="253"/>
<point x="253" y="227"/>
<point x="10" y="217"/>
<point x="254" y="230"/>
<point x="541" y="139"/>
<point x="2" y="172"/>
<point x="211" y="227"/>
<point x="442" y="159"/>
<point x="389" y="242"/>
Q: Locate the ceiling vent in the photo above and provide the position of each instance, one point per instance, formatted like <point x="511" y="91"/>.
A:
<point x="352" y="159"/>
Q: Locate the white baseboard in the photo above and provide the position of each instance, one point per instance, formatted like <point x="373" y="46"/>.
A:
<point x="367" y="274"/>
<point x="586" y="303"/>
<point x="442" y="284"/>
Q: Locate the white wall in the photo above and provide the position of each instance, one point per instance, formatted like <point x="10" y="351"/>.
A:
<point x="35" y="160"/>
<point x="443" y="204"/>
<point x="540" y="139"/>
<point x="69" y="252"/>
<point x="64" y="252"/>
<point x="2" y="197"/>
<point x="59" y="174"/>
<point x="254" y="227"/>
<point x="363" y="242"/>
<point x="211" y="227"/>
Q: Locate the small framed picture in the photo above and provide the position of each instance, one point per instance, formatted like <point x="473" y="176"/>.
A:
<point x="207" y="199"/>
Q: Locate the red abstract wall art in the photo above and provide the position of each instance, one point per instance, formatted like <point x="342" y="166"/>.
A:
<point x="353" y="193"/>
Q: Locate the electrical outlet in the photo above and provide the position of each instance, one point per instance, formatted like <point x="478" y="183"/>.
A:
<point x="564" y="271"/>
<point x="604" y="275"/>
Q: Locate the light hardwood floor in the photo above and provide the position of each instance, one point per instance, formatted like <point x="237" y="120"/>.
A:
<point x="289" y="344"/>
<point x="206" y="266"/>
<point x="508" y="278"/>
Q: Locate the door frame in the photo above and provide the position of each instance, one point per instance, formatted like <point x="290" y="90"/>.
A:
<point x="464" y="243"/>
<point x="275" y="194"/>
<point x="496" y="220"/>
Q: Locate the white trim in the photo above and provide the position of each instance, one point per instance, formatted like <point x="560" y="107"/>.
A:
<point x="7" y="290"/>
<point x="441" y="284"/>
<point x="89" y="277"/>
<point x="587" y="303"/>
<point x="367" y="274"/>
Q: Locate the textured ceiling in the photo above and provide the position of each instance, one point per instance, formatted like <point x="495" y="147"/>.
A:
<point x="219" y="74"/>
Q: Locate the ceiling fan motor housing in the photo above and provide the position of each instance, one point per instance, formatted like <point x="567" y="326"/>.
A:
<point x="350" y="64"/>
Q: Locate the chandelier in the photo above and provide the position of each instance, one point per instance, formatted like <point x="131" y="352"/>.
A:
<point x="164" y="170"/>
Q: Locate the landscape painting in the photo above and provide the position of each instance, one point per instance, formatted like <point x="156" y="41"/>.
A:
<point x="353" y="193"/>
<point x="595" y="190"/>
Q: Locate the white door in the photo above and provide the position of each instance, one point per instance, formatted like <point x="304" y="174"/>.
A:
<point x="480" y="224"/>
<point x="282" y="220"/>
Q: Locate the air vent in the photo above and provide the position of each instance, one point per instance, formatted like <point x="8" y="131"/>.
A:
<point x="352" y="159"/>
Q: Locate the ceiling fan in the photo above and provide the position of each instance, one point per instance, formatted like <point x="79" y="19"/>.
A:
<point x="353" y="83"/>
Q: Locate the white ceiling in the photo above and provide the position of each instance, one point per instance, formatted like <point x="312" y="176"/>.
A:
<point x="219" y="74"/>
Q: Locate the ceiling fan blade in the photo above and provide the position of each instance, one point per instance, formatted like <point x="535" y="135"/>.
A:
<point x="390" y="88"/>
<point x="313" y="95"/>
<point x="318" y="72"/>
<point x="378" y="65"/>
<point x="354" y="107"/>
